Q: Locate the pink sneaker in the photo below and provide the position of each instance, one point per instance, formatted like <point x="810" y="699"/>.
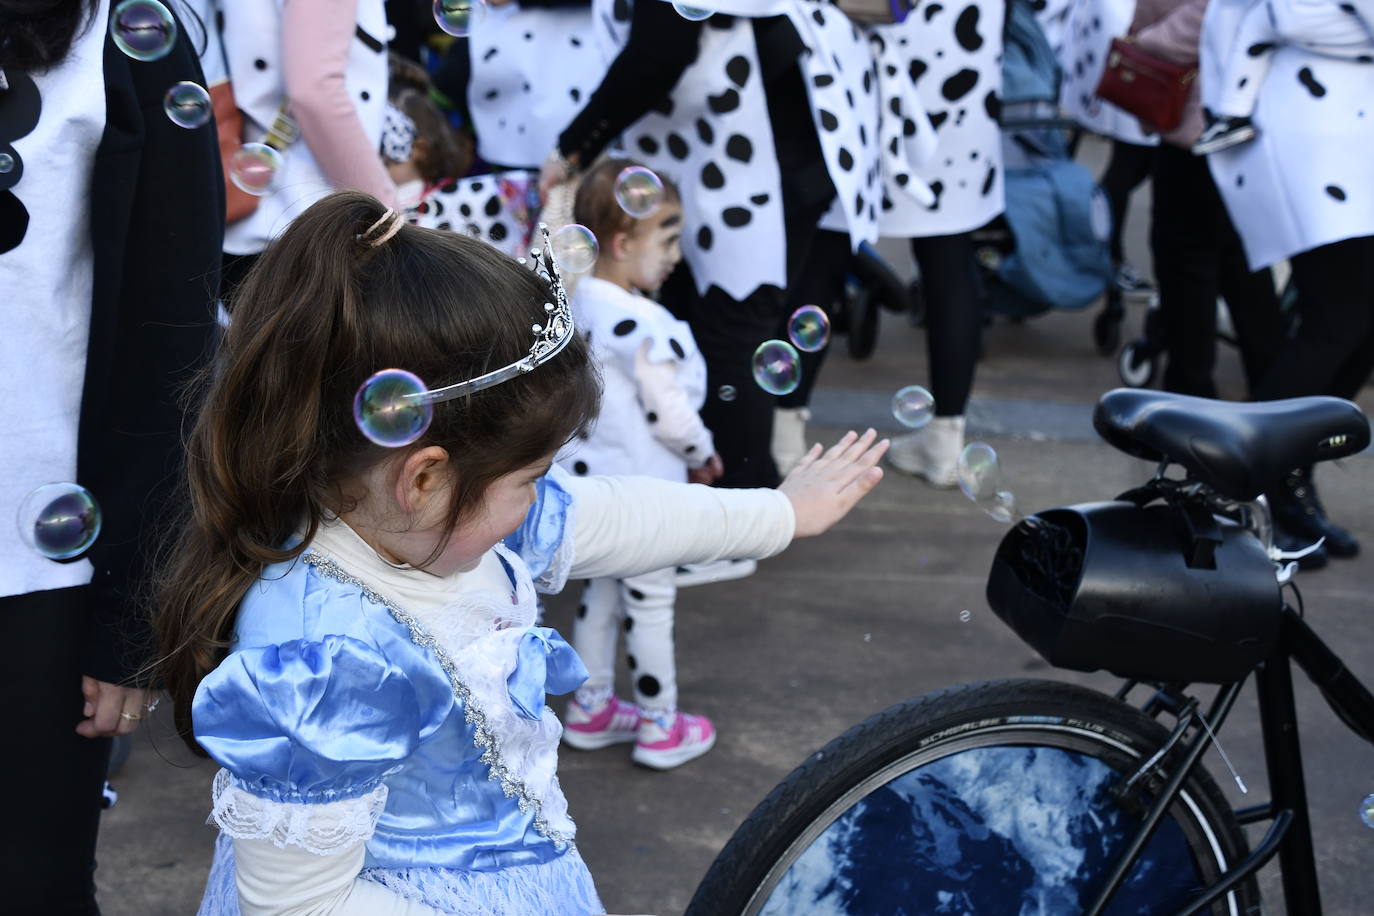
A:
<point x="615" y="723"/>
<point x="664" y="748"/>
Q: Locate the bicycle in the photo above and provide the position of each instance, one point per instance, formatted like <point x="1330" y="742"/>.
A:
<point x="1042" y="797"/>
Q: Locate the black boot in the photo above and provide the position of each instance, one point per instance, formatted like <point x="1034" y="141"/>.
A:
<point x="1298" y="512"/>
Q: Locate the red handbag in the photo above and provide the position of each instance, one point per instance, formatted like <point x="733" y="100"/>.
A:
<point x="1155" y="91"/>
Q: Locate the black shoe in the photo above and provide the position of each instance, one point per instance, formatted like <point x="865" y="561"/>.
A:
<point x="1297" y="509"/>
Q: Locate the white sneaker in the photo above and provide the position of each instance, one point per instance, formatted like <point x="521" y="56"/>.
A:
<point x="717" y="571"/>
<point x="789" y="437"/>
<point x="931" y="452"/>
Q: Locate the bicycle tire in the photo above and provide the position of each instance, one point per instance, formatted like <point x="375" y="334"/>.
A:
<point x="1038" y="720"/>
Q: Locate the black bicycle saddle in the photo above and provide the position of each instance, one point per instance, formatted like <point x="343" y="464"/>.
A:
<point x="1238" y="449"/>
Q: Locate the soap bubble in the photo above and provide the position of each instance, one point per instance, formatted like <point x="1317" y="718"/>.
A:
<point x="913" y="406"/>
<point x="459" y="17"/>
<point x="574" y="248"/>
<point x="980" y="477"/>
<point x="638" y="191"/>
<point x="59" y="520"/>
<point x="809" y="328"/>
<point x="253" y="167"/>
<point x="691" y="13"/>
<point x="777" y="367"/>
<point x="726" y="393"/>
<point x="143" y="29"/>
<point x="187" y="104"/>
<point x="387" y="410"/>
<point x="1367" y="810"/>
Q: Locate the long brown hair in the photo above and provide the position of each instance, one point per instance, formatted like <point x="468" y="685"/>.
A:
<point x="274" y="435"/>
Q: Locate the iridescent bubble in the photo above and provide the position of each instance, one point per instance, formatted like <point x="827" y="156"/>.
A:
<point x="574" y="248"/>
<point x="809" y="328"/>
<point x="459" y="17"/>
<point x="253" y="167"/>
<point x="691" y="13"/>
<point x="143" y="29"/>
<point x="980" y="477"/>
<point x="1367" y="810"/>
<point x="59" y="520"/>
<point x="388" y="411"/>
<point x="638" y="191"/>
<point x="187" y="104"/>
<point x="726" y="393"/>
<point x="777" y="367"/>
<point x="913" y="406"/>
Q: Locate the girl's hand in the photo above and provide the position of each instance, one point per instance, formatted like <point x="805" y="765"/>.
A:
<point x="110" y="709"/>
<point x="824" y="487"/>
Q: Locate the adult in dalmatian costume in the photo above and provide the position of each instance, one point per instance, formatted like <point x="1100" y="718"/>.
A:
<point x="1303" y="189"/>
<point x="952" y="54"/>
<point x="761" y="135"/>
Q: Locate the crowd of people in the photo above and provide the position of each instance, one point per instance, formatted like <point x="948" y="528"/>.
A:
<point x="232" y="234"/>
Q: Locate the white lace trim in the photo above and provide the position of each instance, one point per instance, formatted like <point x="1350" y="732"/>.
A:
<point x="322" y="828"/>
<point x="552" y="580"/>
<point x="479" y="635"/>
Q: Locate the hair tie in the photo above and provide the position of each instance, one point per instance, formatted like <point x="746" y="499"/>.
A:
<point x="395" y="227"/>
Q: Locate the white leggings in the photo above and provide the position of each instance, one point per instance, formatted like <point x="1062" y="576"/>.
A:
<point x="645" y="605"/>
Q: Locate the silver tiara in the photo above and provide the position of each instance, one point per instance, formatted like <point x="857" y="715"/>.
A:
<point x="549" y="338"/>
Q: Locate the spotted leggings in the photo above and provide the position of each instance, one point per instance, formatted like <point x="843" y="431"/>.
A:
<point x="643" y="607"/>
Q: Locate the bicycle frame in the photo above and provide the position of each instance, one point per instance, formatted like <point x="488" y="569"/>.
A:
<point x="1290" y="832"/>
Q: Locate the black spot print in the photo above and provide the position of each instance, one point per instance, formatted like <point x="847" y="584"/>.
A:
<point x="990" y="180"/>
<point x="704" y="131"/>
<point x="936" y="188"/>
<point x="1308" y="80"/>
<point x="1241" y="83"/>
<point x="446" y="226"/>
<point x="493" y="206"/>
<point x="529" y="36"/>
<point x="895" y="143"/>
<point x="858" y="204"/>
<point x="704" y="238"/>
<point x="1263" y="47"/>
<point x="868" y="81"/>
<point x="677" y="349"/>
<point x="664" y="107"/>
<point x="849" y="97"/>
<point x="891" y="69"/>
<point x="498" y="232"/>
<point x="932" y="10"/>
<point x="648" y="685"/>
<point x="581" y="611"/>
<point x="630" y="661"/>
<point x="575" y="94"/>
<point x="966" y="29"/>
<point x="629" y="623"/>
<point x="647" y="145"/>
<point x="1336" y="192"/>
<point x="863" y="135"/>
<point x="822" y="80"/>
<point x="735" y="217"/>
<point x="759" y="199"/>
<point x="726" y="101"/>
<point x="887" y="203"/>
<point x="260" y="64"/>
<point x="938" y="118"/>
<point x="465" y="209"/>
<point x="1348" y="8"/>
<point x="491" y="52"/>
<point x="739" y="147"/>
<point x="1240" y="181"/>
<point x="916" y="70"/>
<point x="828" y="120"/>
<point x="575" y="41"/>
<point x="818" y="16"/>
<point x="711" y="176"/>
<point x="624" y="327"/>
<point x="651" y="417"/>
<point x="894" y="105"/>
<point x="909" y="127"/>
<point x="690" y="449"/>
<point x="902" y="178"/>
<point x="846" y="159"/>
<point x="737" y="68"/>
<point x="958" y="85"/>
<point x="525" y="87"/>
<point x="579" y="467"/>
<point x="636" y="594"/>
<point x="677" y="146"/>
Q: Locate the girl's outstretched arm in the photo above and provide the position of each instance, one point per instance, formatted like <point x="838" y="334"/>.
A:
<point x="824" y="486"/>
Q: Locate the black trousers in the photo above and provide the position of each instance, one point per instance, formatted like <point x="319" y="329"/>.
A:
<point x="1129" y="166"/>
<point x="954" y="317"/>
<point x="1197" y="256"/>
<point x="53" y="776"/>
<point x="821" y="283"/>
<point x="1332" y="351"/>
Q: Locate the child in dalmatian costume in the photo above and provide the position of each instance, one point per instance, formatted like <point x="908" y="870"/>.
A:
<point x="761" y="136"/>
<point x="952" y="55"/>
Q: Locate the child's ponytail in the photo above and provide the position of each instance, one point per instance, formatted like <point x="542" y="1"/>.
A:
<point x="326" y="306"/>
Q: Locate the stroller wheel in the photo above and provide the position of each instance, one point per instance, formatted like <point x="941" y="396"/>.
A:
<point x="1107" y="332"/>
<point x="862" y="315"/>
<point x="1137" y="365"/>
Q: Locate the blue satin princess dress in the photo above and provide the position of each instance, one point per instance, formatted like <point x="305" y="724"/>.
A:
<point x="410" y="722"/>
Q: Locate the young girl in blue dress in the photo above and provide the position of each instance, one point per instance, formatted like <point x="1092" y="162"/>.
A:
<point x="342" y="627"/>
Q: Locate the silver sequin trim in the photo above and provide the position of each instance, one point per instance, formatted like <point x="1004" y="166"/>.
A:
<point x="483" y="736"/>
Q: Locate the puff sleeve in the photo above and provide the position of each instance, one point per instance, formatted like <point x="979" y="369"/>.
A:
<point x="307" y="732"/>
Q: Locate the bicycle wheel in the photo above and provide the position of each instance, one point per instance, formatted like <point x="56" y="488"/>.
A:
<point x="991" y="799"/>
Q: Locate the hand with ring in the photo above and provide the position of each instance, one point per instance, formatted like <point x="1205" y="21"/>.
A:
<point x="110" y="709"/>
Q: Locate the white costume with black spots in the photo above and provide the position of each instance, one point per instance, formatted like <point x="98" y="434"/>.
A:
<point x="498" y="208"/>
<point x="1306" y="180"/>
<point x="1090" y="26"/>
<point x="252" y="50"/>
<point x="532" y="70"/>
<point x="653" y="384"/>
<point x="951" y="56"/>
